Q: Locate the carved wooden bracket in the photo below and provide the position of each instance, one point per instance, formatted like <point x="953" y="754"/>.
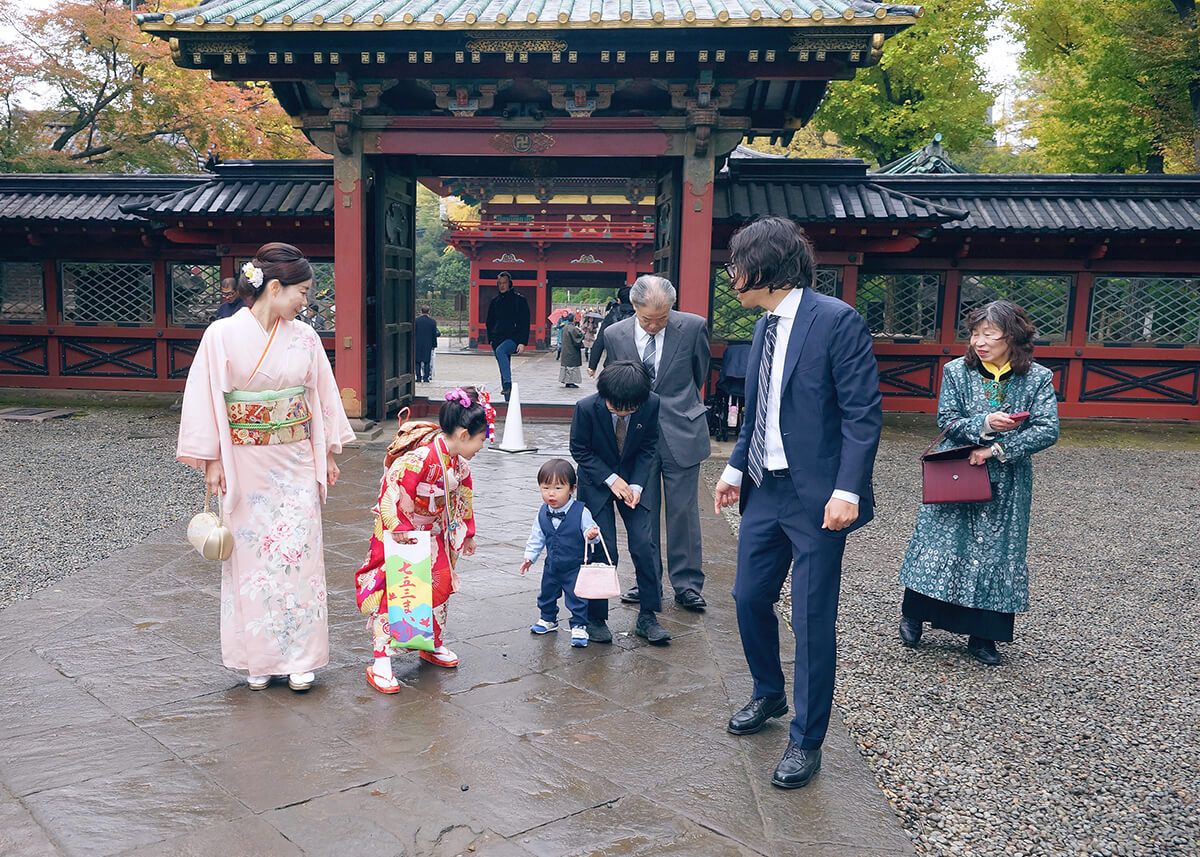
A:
<point x="581" y="100"/>
<point x="346" y="100"/>
<point x="462" y="99"/>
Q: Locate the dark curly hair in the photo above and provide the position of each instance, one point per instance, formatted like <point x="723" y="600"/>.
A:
<point x="1014" y="323"/>
<point x="773" y="253"/>
<point x="454" y="416"/>
<point x="277" y="261"/>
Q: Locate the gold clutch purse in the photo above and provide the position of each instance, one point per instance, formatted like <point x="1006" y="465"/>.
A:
<point x="208" y="534"/>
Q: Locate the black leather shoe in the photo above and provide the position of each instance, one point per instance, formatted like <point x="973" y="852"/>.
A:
<point x="631" y="597"/>
<point x="983" y="651"/>
<point x="598" y="632"/>
<point x="691" y="600"/>
<point x="648" y="627"/>
<point x="910" y="631"/>
<point x="797" y="767"/>
<point x="506" y="391"/>
<point x="755" y="714"/>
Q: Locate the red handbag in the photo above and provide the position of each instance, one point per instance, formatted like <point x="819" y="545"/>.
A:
<point x="949" y="477"/>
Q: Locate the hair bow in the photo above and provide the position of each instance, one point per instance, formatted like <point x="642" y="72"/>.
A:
<point x="458" y="394"/>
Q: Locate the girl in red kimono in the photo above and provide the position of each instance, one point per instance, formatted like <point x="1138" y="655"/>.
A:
<point x="415" y="493"/>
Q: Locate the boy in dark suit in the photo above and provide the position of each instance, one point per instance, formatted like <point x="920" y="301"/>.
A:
<point x="807" y="450"/>
<point x="614" y="435"/>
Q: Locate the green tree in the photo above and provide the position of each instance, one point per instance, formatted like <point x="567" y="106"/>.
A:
<point x="1112" y="87"/>
<point x="453" y="275"/>
<point x="929" y="79"/>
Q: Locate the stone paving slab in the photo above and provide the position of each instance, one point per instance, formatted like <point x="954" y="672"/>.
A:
<point x="122" y="734"/>
<point x="536" y="375"/>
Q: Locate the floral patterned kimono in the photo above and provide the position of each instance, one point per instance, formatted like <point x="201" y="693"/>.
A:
<point x="418" y="475"/>
<point x="270" y="427"/>
<point x="965" y="569"/>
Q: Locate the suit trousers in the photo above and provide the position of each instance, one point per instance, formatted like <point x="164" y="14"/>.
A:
<point x="777" y="532"/>
<point x="677" y="489"/>
<point x="562" y="583"/>
<point x="647" y="564"/>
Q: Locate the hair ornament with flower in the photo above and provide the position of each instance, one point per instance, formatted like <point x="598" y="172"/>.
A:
<point x="489" y="412"/>
<point x="253" y="275"/>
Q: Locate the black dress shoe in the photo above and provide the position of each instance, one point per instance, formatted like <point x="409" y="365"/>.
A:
<point x="797" y="767"/>
<point x="648" y="627"/>
<point x="910" y="631"/>
<point x="755" y="714"/>
<point x="983" y="651"/>
<point x="691" y="600"/>
<point x="631" y="597"/>
<point x="598" y="632"/>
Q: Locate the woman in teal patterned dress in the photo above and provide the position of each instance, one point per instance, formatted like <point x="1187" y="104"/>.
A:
<point x="965" y="569"/>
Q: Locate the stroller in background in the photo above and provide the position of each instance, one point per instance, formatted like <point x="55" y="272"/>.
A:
<point x="728" y="403"/>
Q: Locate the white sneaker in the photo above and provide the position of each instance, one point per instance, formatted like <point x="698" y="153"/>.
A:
<point x="541" y="626"/>
<point x="579" y="638"/>
<point x="301" y="681"/>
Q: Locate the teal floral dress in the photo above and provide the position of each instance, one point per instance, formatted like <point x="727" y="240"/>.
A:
<point x="965" y="568"/>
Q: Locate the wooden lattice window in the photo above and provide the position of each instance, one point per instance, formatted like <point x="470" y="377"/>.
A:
<point x="195" y="293"/>
<point x="1153" y="310"/>
<point x="22" y="292"/>
<point x="901" y="305"/>
<point x="1046" y="299"/>
<point x="107" y="293"/>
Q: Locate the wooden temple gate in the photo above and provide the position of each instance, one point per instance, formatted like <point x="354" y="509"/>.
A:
<point x="414" y="88"/>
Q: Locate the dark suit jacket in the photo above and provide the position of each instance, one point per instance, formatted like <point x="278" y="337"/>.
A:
<point x="829" y="412"/>
<point x="594" y="448"/>
<point x="426" y="336"/>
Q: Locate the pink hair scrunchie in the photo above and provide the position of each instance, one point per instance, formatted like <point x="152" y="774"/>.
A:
<point x="458" y="394"/>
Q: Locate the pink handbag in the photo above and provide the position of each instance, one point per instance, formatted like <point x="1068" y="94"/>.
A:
<point x="598" y="580"/>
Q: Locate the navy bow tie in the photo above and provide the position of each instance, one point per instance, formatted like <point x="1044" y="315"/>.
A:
<point x="557" y="515"/>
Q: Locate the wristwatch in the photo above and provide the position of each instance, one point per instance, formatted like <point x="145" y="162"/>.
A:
<point x="998" y="453"/>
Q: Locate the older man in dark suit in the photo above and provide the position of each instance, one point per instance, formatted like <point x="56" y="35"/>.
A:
<point x="673" y="347"/>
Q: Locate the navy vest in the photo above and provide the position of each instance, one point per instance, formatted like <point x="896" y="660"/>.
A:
<point x="564" y="546"/>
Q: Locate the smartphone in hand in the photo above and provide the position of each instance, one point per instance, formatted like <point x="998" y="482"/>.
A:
<point x="1019" y="417"/>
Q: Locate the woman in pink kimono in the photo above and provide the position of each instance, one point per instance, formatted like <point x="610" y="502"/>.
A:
<point x="262" y="416"/>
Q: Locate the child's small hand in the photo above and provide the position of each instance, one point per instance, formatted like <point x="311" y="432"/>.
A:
<point x="403" y="538"/>
<point x="619" y="487"/>
<point x="468" y="548"/>
<point x="632" y="498"/>
<point x="526" y="565"/>
<point x="592" y="534"/>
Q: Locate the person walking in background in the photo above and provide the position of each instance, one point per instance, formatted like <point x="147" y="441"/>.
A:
<point x="965" y="570"/>
<point x="618" y="311"/>
<point x="673" y="348"/>
<point x="571" y="358"/>
<point x="426" y="335"/>
<point x="808" y="444"/>
<point x="590" y="325"/>
<point x="507" y="327"/>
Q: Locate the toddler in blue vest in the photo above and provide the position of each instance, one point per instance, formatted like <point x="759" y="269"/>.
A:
<point x="563" y="528"/>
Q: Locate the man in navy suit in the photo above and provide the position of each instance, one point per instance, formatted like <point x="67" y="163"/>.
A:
<point x="801" y="470"/>
<point x="614" y="437"/>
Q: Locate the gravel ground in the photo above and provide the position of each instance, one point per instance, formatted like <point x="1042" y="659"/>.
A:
<point x="1086" y="740"/>
<point x="77" y="490"/>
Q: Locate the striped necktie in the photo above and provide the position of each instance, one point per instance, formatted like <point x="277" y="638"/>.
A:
<point x="648" y="358"/>
<point x="758" y="441"/>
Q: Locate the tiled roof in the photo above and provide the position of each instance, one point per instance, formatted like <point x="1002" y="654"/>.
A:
<point x="59" y="198"/>
<point x="248" y="188"/>
<point x="929" y="159"/>
<point x="1060" y="203"/>
<point x="557" y="14"/>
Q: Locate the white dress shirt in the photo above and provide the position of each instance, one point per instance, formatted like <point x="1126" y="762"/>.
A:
<point x="776" y="457"/>
<point x="641" y="339"/>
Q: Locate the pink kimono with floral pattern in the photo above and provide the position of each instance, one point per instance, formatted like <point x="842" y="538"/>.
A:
<point x="273" y="612"/>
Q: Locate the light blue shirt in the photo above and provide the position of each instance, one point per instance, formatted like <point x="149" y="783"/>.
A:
<point x="537" y="539"/>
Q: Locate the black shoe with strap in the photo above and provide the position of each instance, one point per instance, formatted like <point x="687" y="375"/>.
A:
<point x="632" y="596"/>
<point x="797" y="767"/>
<point x="983" y="651"/>
<point x="910" y="631"/>
<point x="754" y="715"/>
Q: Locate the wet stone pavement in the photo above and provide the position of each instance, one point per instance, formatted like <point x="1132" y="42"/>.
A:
<point x="122" y="734"/>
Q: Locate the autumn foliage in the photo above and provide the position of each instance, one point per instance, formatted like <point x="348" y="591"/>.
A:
<point x="82" y="88"/>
